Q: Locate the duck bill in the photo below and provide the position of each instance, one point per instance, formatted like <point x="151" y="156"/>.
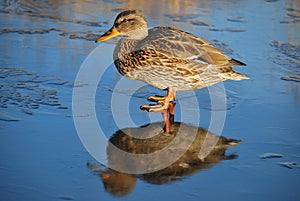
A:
<point x="107" y="35"/>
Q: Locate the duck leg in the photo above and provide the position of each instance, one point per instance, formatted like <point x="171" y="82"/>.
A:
<point x="168" y="116"/>
<point x="171" y="111"/>
<point x="164" y="105"/>
<point x="162" y="102"/>
<point x="166" y="120"/>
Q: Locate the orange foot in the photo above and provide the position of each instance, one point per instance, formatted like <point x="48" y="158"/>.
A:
<point x="164" y="105"/>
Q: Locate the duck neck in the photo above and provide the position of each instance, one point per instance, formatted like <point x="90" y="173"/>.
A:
<point x="124" y="46"/>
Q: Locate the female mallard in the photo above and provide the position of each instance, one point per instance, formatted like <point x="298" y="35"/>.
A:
<point x="168" y="59"/>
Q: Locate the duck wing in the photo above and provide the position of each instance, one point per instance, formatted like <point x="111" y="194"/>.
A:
<point x="180" y="44"/>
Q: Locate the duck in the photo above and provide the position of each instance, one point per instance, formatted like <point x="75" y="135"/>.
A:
<point x="168" y="59"/>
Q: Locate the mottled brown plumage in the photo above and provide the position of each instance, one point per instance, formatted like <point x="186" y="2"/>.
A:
<point x="167" y="58"/>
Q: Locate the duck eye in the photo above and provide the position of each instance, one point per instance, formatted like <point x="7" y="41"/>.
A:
<point x="119" y="22"/>
<point x="126" y="20"/>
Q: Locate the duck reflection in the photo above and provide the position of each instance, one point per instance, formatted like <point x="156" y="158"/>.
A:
<point x="120" y="184"/>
